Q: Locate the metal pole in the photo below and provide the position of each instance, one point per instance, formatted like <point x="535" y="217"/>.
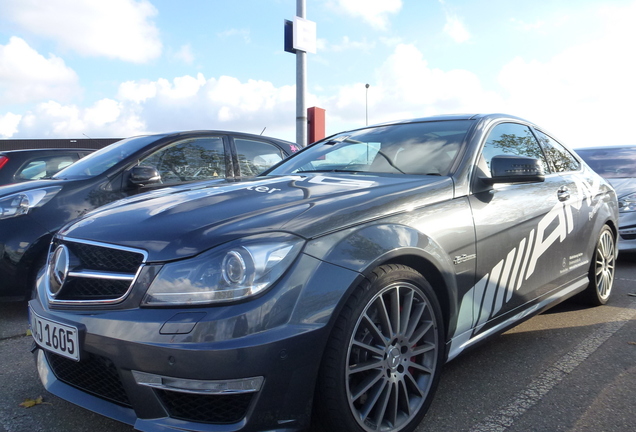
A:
<point x="301" y="85"/>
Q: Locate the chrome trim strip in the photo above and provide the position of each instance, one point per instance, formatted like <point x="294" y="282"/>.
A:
<point x="203" y="387"/>
<point x="102" y="275"/>
<point x="106" y="245"/>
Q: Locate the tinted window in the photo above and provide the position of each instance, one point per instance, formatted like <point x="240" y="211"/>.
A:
<point x="256" y="156"/>
<point x="611" y="162"/>
<point x="512" y="139"/>
<point x="415" y="148"/>
<point x="189" y="160"/>
<point x="561" y="160"/>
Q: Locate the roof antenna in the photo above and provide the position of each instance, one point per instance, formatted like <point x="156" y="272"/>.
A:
<point x="87" y="136"/>
<point x="263" y="130"/>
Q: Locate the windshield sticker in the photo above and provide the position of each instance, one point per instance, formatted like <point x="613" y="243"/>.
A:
<point x="350" y="183"/>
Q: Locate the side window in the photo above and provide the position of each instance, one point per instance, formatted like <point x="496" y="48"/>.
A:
<point x="256" y="156"/>
<point x="512" y="139"/>
<point x="194" y="159"/>
<point x="560" y="158"/>
<point x="44" y="167"/>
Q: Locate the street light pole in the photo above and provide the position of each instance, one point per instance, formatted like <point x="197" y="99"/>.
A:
<point x="366" y="104"/>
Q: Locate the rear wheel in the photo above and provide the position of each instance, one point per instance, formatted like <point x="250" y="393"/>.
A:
<point x="602" y="269"/>
<point x="383" y="360"/>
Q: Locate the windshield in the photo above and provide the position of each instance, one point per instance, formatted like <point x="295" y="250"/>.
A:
<point x="427" y="148"/>
<point x="98" y="162"/>
<point x="611" y="162"/>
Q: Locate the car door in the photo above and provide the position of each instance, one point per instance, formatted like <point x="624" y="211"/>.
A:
<point x="580" y="189"/>
<point x="521" y="229"/>
<point x="190" y="159"/>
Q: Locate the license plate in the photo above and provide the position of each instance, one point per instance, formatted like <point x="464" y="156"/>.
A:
<point x="56" y="337"/>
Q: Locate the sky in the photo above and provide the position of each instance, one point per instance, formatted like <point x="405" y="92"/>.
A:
<point x="118" y="68"/>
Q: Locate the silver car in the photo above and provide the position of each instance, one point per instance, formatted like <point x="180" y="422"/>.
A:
<point x="617" y="164"/>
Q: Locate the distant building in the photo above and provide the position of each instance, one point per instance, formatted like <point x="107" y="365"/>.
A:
<point x="18" y="144"/>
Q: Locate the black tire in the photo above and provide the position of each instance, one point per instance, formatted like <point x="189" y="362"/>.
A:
<point x="602" y="269"/>
<point x="383" y="360"/>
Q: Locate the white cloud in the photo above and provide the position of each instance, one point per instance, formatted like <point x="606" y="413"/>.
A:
<point x="455" y="28"/>
<point x="374" y="12"/>
<point x="185" y="54"/>
<point x="106" y="118"/>
<point x="183" y="103"/>
<point x="9" y="124"/>
<point x="524" y="26"/>
<point x="118" y="29"/>
<point x="26" y="75"/>
<point x="406" y="86"/>
<point x="346" y="44"/>
<point x="586" y="90"/>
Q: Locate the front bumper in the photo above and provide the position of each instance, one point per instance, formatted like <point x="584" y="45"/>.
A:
<point x="627" y="232"/>
<point x="224" y="368"/>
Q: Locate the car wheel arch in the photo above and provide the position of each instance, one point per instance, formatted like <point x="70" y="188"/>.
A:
<point x="444" y="288"/>
<point x="418" y="251"/>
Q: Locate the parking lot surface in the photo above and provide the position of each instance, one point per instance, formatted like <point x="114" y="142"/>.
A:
<point x="570" y="369"/>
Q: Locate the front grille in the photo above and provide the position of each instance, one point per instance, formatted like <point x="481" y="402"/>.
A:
<point x="93" y="374"/>
<point x="93" y="289"/>
<point x="97" y="272"/>
<point x="105" y="258"/>
<point x="220" y="409"/>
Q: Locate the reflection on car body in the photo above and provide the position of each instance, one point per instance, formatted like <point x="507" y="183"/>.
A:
<point x="335" y="285"/>
<point x="617" y="164"/>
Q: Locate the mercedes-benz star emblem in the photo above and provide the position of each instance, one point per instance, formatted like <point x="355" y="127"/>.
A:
<point x="58" y="269"/>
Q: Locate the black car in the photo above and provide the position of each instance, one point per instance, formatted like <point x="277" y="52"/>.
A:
<point x="31" y="212"/>
<point x="334" y="285"/>
<point x="33" y="164"/>
<point x="617" y="164"/>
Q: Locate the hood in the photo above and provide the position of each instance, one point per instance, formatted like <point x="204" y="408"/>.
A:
<point x="178" y="223"/>
<point x="623" y="186"/>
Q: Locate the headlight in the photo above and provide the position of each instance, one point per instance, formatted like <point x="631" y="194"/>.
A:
<point x="234" y="271"/>
<point x="627" y="203"/>
<point x="21" y="203"/>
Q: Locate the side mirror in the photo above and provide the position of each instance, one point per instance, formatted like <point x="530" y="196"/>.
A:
<point x="515" y="169"/>
<point x="144" y="175"/>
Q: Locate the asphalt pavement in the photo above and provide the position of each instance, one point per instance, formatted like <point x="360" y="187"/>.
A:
<point x="571" y="369"/>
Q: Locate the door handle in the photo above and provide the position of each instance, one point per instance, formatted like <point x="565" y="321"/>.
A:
<point x="563" y="194"/>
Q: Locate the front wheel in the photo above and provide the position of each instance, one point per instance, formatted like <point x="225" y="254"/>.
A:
<point x="383" y="360"/>
<point x="602" y="269"/>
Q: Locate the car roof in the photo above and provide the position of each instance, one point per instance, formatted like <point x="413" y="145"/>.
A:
<point x="44" y="150"/>
<point x="613" y="147"/>
<point x="445" y="117"/>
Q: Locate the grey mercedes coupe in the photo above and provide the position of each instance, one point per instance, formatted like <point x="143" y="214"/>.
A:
<point x="331" y="288"/>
